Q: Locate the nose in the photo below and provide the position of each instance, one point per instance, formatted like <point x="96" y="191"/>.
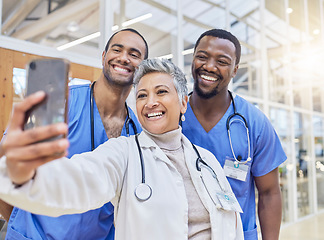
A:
<point x="151" y="102"/>
<point x="123" y="57"/>
<point x="210" y="65"/>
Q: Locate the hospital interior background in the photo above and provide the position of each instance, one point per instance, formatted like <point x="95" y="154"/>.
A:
<point x="281" y="69"/>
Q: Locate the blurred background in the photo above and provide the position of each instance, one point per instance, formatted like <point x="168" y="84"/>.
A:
<point x="281" y="69"/>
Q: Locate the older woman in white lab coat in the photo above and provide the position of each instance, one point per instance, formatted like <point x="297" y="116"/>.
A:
<point x="161" y="185"/>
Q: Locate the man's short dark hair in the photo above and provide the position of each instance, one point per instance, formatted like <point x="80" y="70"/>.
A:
<point x="221" y="33"/>
<point x="130" y="30"/>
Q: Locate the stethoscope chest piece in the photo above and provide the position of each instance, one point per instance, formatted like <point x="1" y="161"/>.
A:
<point x="143" y="192"/>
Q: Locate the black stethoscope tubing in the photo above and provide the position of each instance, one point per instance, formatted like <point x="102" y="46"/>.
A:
<point x="228" y="123"/>
<point x="142" y="191"/>
<point x="142" y="188"/>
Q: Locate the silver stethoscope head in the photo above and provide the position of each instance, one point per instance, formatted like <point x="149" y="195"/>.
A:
<point x="143" y="192"/>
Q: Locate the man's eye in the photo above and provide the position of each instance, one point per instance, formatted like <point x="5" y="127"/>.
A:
<point x="201" y="57"/>
<point x="116" y="50"/>
<point x="223" y="62"/>
<point x="134" y="55"/>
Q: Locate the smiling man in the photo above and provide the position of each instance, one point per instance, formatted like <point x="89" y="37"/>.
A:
<point x="248" y="157"/>
<point x="100" y="107"/>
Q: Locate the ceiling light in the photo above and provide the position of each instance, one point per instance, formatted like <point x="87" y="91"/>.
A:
<point x="138" y="19"/>
<point x="316" y="31"/>
<point x="114" y="28"/>
<point x="289" y="10"/>
<point x="73" y="26"/>
<point x="79" y="41"/>
<point x="184" y="52"/>
<point x="188" y="51"/>
<point x="97" y="34"/>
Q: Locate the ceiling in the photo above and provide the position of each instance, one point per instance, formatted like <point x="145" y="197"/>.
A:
<point x="56" y="22"/>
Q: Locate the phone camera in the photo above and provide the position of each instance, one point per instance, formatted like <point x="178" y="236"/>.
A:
<point x="32" y="65"/>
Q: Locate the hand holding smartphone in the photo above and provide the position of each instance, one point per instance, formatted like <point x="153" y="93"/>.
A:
<point x="50" y="76"/>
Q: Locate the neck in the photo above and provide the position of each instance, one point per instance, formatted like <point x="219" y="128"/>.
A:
<point x="211" y="106"/>
<point x="209" y="111"/>
<point x="110" y="99"/>
<point x="167" y="141"/>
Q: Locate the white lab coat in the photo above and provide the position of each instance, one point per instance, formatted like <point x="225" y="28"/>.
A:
<point x="111" y="173"/>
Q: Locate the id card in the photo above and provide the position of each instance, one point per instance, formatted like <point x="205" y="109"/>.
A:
<point x="229" y="202"/>
<point x="235" y="170"/>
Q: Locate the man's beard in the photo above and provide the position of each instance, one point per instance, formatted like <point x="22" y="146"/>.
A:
<point x="203" y="94"/>
<point x="115" y="82"/>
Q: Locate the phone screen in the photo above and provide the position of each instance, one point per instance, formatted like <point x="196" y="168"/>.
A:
<point x="51" y="76"/>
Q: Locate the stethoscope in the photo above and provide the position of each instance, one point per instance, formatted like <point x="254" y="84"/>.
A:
<point x="244" y="122"/>
<point x="228" y="124"/>
<point x="143" y="191"/>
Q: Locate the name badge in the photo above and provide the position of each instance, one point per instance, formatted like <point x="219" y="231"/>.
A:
<point x="217" y="191"/>
<point x="236" y="170"/>
<point x="229" y="202"/>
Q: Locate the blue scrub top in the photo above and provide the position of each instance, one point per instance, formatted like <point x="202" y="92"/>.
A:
<point x="266" y="151"/>
<point x="94" y="224"/>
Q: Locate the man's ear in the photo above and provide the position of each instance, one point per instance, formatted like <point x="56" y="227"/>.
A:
<point x="103" y="55"/>
<point x="235" y="70"/>
<point x="184" y="105"/>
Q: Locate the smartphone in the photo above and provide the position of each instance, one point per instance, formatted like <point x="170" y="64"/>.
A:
<point x="51" y="76"/>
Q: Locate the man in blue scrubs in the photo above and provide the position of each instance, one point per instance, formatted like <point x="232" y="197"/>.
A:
<point x="124" y="51"/>
<point x="250" y="158"/>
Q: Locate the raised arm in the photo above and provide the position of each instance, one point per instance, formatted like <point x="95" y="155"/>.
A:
<point x="269" y="205"/>
<point x="23" y="150"/>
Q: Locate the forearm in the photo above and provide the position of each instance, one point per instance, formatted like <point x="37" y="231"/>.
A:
<point x="269" y="211"/>
<point x="5" y="210"/>
<point x="73" y="191"/>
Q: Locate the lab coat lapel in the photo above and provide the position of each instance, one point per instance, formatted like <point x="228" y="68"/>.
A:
<point x="191" y="157"/>
<point x="147" y="143"/>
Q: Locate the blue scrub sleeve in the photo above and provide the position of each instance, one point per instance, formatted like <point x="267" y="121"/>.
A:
<point x="268" y="153"/>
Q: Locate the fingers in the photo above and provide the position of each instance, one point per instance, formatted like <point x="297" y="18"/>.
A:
<point x="27" y="150"/>
<point x="22" y="162"/>
<point x="37" y="151"/>
<point x="20" y="109"/>
<point x="17" y="138"/>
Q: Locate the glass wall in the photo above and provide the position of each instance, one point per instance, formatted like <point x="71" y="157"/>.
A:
<point x="280" y="119"/>
<point x="319" y="158"/>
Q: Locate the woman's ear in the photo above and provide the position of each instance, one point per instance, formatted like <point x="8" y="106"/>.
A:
<point x="184" y="105"/>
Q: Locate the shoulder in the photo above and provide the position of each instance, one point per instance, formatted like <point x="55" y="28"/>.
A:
<point x="78" y="94"/>
<point x="254" y="116"/>
<point x="79" y="88"/>
<point x="204" y="153"/>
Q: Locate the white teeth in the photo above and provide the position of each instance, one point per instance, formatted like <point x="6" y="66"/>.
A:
<point x="120" y="69"/>
<point x="209" y="78"/>
<point x="155" y="114"/>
